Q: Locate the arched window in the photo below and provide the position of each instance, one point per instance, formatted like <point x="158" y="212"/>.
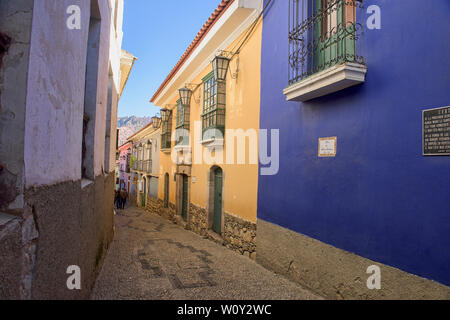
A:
<point x="149" y="150"/>
<point x="140" y="154"/>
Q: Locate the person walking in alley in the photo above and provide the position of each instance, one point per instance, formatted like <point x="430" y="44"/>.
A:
<point x="116" y="199"/>
<point x="123" y="198"/>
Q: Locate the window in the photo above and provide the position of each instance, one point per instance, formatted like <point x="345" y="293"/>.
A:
<point x="149" y="150"/>
<point x="213" y="116"/>
<point x="322" y="35"/>
<point x="116" y="15"/>
<point x="128" y="162"/>
<point x="183" y="114"/>
<point x="166" y="128"/>
<point x="90" y="94"/>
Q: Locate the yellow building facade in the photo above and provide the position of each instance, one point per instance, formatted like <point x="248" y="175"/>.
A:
<point x="209" y="181"/>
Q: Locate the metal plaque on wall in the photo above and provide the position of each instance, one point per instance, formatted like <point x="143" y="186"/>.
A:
<point x="436" y="132"/>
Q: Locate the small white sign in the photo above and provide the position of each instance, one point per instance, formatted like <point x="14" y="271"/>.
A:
<point x="328" y="147"/>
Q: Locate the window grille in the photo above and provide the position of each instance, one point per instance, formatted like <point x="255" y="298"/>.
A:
<point x="214" y="92"/>
<point x="183" y="114"/>
<point x="322" y="34"/>
<point x="166" y="131"/>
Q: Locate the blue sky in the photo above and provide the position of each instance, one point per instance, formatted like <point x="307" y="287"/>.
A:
<point x="157" y="33"/>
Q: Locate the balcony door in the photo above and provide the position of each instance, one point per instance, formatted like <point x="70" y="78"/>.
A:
<point x="334" y="33"/>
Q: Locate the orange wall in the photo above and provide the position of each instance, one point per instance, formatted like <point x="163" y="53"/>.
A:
<point x="242" y="112"/>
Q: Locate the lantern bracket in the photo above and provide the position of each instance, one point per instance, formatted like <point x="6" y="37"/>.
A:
<point x="170" y="107"/>
<point x="156" y="120"/>
<point x="193" y="87"/>
<point x="166" y="112"/>
<point x="235" y="74"/>
<point x="230" y="55"/>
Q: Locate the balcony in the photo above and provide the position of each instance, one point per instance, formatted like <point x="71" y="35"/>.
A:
<point x="322" y="48"/>
<point x="147" y="166"/>
<point x="143" y="166"/>
<point x="137" y="165"/>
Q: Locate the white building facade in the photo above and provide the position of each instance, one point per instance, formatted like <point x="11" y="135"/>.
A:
<point x="145" y="164"/>
<point x="59" y="90"/>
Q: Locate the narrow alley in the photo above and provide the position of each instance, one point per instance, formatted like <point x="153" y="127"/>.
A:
<point x="152" y="258"/>
<point x="289" y="150"/>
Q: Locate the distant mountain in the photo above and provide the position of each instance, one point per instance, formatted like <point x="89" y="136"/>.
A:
<point x="133" y="122"/>
<point x="130" y="125"/>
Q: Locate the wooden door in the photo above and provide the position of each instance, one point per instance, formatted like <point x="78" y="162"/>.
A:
<point x="218" y="182"/>
<point x="185" y="197"/>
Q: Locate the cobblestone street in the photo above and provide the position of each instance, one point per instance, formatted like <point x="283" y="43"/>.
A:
<point x="152" y="258"/>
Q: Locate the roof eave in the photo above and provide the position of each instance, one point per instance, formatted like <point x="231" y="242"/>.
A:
<point x="217" y="14"/>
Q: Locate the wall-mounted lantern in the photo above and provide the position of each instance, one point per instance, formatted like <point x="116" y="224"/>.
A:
<point x="156" y="122"/>
<point x="165" y="114"/>
<point x="185" y="96"/>
<point x="220" y="66"/>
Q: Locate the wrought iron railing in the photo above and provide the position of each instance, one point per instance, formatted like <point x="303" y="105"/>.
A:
<point x="147" y="166"/>
<point x="322" y="34"/>
<point x="142" y="165"/>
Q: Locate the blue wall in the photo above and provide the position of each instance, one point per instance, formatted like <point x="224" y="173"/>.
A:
<point x="379" y="198"/>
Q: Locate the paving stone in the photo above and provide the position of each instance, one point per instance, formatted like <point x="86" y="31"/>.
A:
<point x="152" y="258"/>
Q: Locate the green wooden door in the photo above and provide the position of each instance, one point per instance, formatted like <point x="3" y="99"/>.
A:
<point x="184" y="207"/>
<point x="217" y="226"/>
<point x="166" y="190"/>
<point x="144" y="195"/>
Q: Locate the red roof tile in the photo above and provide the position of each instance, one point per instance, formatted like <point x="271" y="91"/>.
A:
<point x="223" y="6"/>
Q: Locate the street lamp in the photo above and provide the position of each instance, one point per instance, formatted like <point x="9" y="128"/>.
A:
<point x="165" y="114"/>
<point x="185" y="96"/>
<point x="220" y="67"/>
<point x="156" y="122"/>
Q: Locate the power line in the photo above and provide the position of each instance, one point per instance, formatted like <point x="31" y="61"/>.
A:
<point x="250" y="31"/>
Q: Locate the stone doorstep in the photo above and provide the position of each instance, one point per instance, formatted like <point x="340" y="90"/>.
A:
<point x="215" y="237"/>
<point x="180" y="221"/>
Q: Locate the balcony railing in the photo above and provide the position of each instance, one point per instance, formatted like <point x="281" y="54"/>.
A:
<point x="147" y="166"/>
<point x="322" y="34"/>
<point x="143" y="165"/>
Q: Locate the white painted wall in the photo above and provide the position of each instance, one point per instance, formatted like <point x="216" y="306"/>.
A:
<point x="55" y="94"/>
<point x="115" y="52"/>
<point x="102" y="88"/>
